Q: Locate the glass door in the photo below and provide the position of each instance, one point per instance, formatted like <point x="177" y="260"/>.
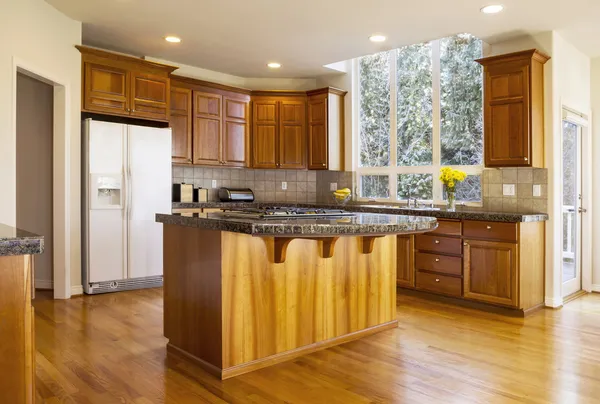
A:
<point x="571" y="207"/>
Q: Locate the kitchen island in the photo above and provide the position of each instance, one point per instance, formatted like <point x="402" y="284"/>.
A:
<point x="241" y="294"/>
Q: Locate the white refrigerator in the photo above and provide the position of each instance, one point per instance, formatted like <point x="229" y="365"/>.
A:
<point x="126" y="181"/>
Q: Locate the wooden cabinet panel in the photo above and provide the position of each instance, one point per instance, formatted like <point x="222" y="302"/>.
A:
<point x="150" y="96"/>
<point x="292" y="134"/>
<point x="448" y="228"/>
<point x="207" y="128"/>
<point x="317" y="133"/>
<point x="265" y="112"/>
<point x="444" y="245"/>
<point x="234" y="143"/>
<point x="236" y="109"/>
<point x="181" y="125"/>
<point x="106" y="89"/>
<point x="439" y="263"/>
<point x="491" y="230"/>
<point x="446" y="285"/>
<point x="264" y="140"/>
<point x="490" y="272"/>
<point x="405" y="270"/>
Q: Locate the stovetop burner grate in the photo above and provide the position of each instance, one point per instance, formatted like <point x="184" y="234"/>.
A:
<point x="286" y="212"/>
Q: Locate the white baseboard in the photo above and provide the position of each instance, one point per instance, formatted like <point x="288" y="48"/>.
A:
<point x="44" y="284"/>
<point x="553" y="302"/>
<point x="596" y="288"/>
<point x="76" y="290"/>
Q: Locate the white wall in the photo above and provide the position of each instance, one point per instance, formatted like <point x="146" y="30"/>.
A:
<point x="236" y="81"/>
<point x="38" y="36"/>
<point x="595" y="89"/>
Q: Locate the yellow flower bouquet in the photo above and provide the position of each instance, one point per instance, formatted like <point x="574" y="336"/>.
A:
<point x="450" y="177"/>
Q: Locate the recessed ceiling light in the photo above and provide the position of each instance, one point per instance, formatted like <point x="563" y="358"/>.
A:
<point x="274" y="65"/>
<point x="172" y="39"/>
<point x="377" y="38"/>
<point x="492" y="9"/>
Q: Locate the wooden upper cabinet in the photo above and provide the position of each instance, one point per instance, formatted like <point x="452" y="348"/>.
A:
<point x="326" y="129"/>
<point x="106" y="89"/>
<point x="122" y="85"/>
<point x="292" y="134"/>
<point x="235" y="140"/>
<point x="264" y="133"/>
<point x="514" y="109"/>
<point x="491" y="272"/>
<point x="181" y="124"/>
<point x="150" y="96"/>
<point x="207" y="128"/>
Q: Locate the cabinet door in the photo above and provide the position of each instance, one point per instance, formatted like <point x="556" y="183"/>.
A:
<point x="150" y="95"/>
<point x="317" y="134"/>
<point x="106" y="89"/>
<point x="207" y="128"/>
<point x="405" y="272"/>
<point x="264" y="134"/>
<point x="235" y="133"/>
<point x="507" y="115"/>
<point x="490" y="272"/>
<point x="292" y="134"/>
<point x="181" y="124"/>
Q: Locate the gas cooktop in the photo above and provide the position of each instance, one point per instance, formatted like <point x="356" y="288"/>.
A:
<point x="285" y="213"/>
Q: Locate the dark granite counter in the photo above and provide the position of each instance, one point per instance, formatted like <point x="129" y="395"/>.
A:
<point x="15" y="241"/>
<point x="361" y="224"/>
<point x="462" y="213"/>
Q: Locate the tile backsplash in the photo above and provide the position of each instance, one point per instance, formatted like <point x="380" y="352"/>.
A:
<point x="523" y="200"/>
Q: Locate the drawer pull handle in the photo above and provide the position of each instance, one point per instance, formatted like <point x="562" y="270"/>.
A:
<point x="437" y="241"/>
<point x="437" y="260"/>
<point x="437" y="279"/>
<point x="489" y="227"/>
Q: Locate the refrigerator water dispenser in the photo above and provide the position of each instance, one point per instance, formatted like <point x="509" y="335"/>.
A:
<point x="106" y="191"/>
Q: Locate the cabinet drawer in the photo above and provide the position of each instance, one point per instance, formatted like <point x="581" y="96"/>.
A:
<point x="439" y="244"/>
<point x="490" y="230"/>
<point x="446" y="285"/>
<point x="448" y="228"/>
<point x="439" y="263"/>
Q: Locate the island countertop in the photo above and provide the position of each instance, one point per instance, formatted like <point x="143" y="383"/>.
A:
<point x="360" y="224"/>
<point x="15" y="241"/>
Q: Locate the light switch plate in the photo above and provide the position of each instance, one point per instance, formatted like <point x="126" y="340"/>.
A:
<point x="284" y="185"/>
<point x="214" y="183"/>
<point x="537" y="190"/>
<point x="508" y="189"/>
<point x="333" y="186"/>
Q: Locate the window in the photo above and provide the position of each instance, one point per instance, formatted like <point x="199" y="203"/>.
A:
<point x="421" y="108"/>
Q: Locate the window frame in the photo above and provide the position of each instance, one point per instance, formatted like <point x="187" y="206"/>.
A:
<point x="393" y="170"/>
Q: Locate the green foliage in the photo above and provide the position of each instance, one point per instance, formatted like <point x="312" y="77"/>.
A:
<point x="375" y="186"/>
<point x="419" y="186"/>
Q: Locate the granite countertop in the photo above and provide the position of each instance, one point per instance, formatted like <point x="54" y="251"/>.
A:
<point x="360" y="224"/>
<point x="462" y="213"/>
<point x="15" y="241"/>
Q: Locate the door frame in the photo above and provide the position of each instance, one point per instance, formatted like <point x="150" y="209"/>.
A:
<point x="62" y="157"/>
<point x="582" y="120"/>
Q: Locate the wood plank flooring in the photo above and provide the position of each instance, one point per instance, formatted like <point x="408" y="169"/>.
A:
<point x="109" y="349"/>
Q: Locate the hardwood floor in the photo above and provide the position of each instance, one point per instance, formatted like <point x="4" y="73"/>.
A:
<point x="109" y="349"/>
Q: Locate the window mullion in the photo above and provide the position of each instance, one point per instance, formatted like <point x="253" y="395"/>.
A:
<point x="393" y="125"/>
<point x="436" y="109"/>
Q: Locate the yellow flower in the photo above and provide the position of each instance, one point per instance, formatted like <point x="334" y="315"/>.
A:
<point x="450" y="176"/>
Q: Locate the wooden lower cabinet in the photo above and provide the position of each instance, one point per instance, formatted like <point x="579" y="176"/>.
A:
<point x="490" y="272"/>
<point x="405" y="273"/>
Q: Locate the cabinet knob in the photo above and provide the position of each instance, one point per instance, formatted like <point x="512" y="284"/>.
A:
<point x="128" y="110"/>
<point x="489" y="227"/>
<point x="437" y="279"/>
<point x="437" y="260"/>
<point x="133" y="110"/>
<point x="465" y="243"/>
<point x="437" y="241"/>
<point x="525" y="159"/>
<point x="323" y="164"/>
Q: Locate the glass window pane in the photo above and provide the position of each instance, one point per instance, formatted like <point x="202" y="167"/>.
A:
<point x="418" y="186"/>
<point x="374" y="186"/>
<point x="569" y="164"/>
<point x="461" y="98"/>
<point x="414" y="114"/>
<point x="469" y="190"/>
<point x="374" y="138"/>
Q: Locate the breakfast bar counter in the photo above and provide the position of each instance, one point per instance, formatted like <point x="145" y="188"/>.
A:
<point x="243" y="293"/>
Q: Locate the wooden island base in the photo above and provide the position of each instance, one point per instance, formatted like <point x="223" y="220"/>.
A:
<point x="231" y="309"/>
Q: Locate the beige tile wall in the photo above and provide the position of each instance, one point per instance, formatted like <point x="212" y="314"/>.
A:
<point x="266" y="184"/>
<point x="523" y="201"/>
<point x="343" y="179"/>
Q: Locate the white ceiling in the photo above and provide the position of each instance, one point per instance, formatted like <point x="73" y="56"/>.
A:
<point x="240" y="36"/>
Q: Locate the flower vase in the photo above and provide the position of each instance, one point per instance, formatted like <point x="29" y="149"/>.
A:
<point x="451" y="202"/>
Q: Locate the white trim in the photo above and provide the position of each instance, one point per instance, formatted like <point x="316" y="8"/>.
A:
<point x="61" y="140"/>
<point x="76" y="290"/>
<point x="44" y="284"/>
<point x="595" y="288"/>
<point x="555" y="302"/>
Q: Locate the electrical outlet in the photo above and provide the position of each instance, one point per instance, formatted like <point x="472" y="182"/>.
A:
<point x="333" y="186"/>
<point x="537" y="190"/>
<point x="508" y="189"/>
<point x="214" y="183"/>
<point x="284" y="185"/>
